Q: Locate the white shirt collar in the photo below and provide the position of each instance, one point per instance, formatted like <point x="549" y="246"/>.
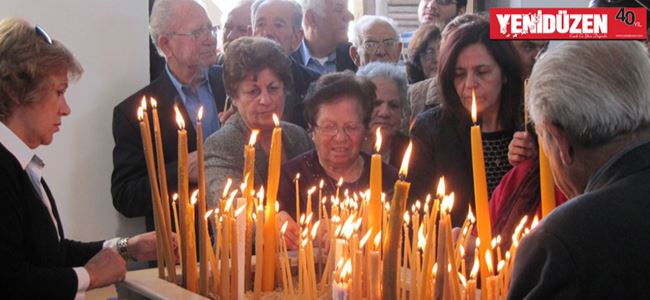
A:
<point x="16" y="146"/>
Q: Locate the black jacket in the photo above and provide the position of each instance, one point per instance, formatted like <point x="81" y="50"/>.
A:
<point x="343" y="59"/>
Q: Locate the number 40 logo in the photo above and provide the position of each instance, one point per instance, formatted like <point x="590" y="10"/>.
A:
<point x="627" y="17"/>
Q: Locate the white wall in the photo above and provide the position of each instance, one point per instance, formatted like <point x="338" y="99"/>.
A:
<point x="110" y="40"/>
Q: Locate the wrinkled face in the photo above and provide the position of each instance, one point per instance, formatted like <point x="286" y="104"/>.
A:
<point x="258" y="97"/>
<point x="387" y="109"/>
<point x="236" y="24"/>
<point x="527" y="50"/>
<point x="438" y="12"/>
<point x="273" y="21"/>
<point x="190" y="42"/>
<point x="339" y="132"/>
<point x="41" y="119"/>
<point x="379" y="42"/>
<point x="429" y="58"/>
<point x="333" y="22"/>
<point x="476" y="69"/>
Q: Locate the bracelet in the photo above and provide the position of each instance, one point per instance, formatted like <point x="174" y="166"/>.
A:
<point x="122" y="248"/>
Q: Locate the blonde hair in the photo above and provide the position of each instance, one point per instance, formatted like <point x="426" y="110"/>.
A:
<point x="27" y="61"/>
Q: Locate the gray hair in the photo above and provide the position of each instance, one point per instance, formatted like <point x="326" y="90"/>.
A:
<point x="367" y="20"/>
<point x="296" y="14"/>
<point x="594" y="90"/>
<point x="163" y="13"/>
<point x="393" y="73"/>
<point x="316" y="6"/>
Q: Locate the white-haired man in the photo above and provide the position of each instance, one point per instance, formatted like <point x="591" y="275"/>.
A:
<point x="590" y="102"/>
<point x="185" y="36"/>
<point x="325" y="48"/>
<point x="375" y="38"/>
<point x="235" y="25"/>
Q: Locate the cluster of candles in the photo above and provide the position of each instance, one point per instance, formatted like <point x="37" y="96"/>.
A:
<point x="377" y="248"/>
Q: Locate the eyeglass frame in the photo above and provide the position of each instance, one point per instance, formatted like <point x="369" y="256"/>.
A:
<point x="41" y="33"/>
<point x="348" y="130"/>
<point x="198" y="34"/>
<point x="386" y="44"/>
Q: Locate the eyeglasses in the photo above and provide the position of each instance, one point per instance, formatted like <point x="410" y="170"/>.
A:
<point x="40" y="32"/>
<point x="332" y="130"/>
<point x="373" y="46"/>
<point x="200" y="34"/>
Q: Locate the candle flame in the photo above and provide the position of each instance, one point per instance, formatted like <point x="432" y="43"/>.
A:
<point x="461" y="250"/>
<point x="462" y="279"/>
<point x="276" y="120"/>
<point x="199" y="116"/>
<point x="434" y="270"/>
<point x="478" y="242"/>
<point x="494" y="243"/>
<point x="154" y="103"/>
<point x="193" y="199"/>
<point x="320" y="185"/>
<point x="260" y="194"/>
<point x="227" y="187"/>
<point x="498" y="240"/>
<point x="340" y="183"/>
<point x="230" y="200"/>
<point x="500" y="266"/>
<point x="406" y="218"/>
<point x="253" y="138"/>
<point x="422" y="240"/>
<point x="277" y="206"/>
<point x="314" y="230"/>
<point x="140" y="114"/>
<point x="474" y="272"/>
<point x="378" y="139"/>
<point x="311" y="190"/>
<point x="441" y="187"/>
<point x="377" y="240"/>
<point x="488" y="261"/>
<point x="143" y="103"/>
<point x="240" y="209"/>
<point x="303" y="244"/>
<point x="470" y="215"/>
<point x="179" y="118"/>
<point x="284" y="227"/>
<point x="365" y="239"/>
<point x="345" y="272"/>
<point x="508" y="255"/>
<point x="534" y="223"/>
<point x="208" y="213"/>
<point x="473" y="106"/>
<point x="403" y="170"/>
<point x="309" y="217"/>
<point x="174" y="197"/>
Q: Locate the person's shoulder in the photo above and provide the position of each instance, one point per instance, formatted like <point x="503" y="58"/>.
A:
<point x="295" y="164"/>
<point x="215" y="72"/>
<point x="150" y="90"/>
<point x="293" y="130"/>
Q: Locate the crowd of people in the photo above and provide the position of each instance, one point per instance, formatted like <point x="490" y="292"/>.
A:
<point x="294" y="60"/>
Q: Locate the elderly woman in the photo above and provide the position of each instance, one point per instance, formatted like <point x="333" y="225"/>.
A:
<point x="40" y="261"/>
<point x="338" y="112"/>
<point x="388" y="112"/>
<point x="421" y="68"/>
<point x="469" y="63"/>
<point x="257" y="76"/>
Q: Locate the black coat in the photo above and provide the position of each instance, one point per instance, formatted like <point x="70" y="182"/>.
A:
<point x="129" y="182"/>
<point x="594" y="246"/>
<point x="36" y="265"/>
<point x="343" y="59"/>
<point x="294" y="102"/>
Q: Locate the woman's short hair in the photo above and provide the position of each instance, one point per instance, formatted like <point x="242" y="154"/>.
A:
<point x="594" y="90"/>
<point x="328" y="89"/>
<point x="27" y="60"/>
<point x="419" y="43"/>
<point x="390" y="72"/>
<point x="251" y="55"/>
<point x="478" y="32"/>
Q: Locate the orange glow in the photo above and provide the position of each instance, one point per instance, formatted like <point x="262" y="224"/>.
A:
<point x="473" y="106"/>
<point x="488" y="261"/>
<point x="422" y="240"/>
<point x="179" y="118"/>
<point x="403" y="170"/>
<point x="284" y="227"/>
<point x="253" y="138"/>
<point x="378" y="139"/>
<point x="276" y="121"/>
<point x="140" y="114"/>
<point x="314" y="230"/>
<point x="227" y="188"/>
<point x="365" y="239"/>
<point x="193" y="199"/>
<point x="174" y="197"/>
<point x="240" y="210"/>
<point x="208" y="213"/>
<point x="199" y="116"/>
<point x="153" y="102"/>
<point x="345" y="272"/>
<point x="474" y="272"/>
<point x="441" y="187"/>
<point x="143" y="103"/>
<point x="377" y="240"/>
<point x="407" y="218"/>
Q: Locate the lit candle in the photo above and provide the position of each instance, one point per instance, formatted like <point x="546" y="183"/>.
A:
<point x="547" y="187"/>
<point x="398" y="206"/>
<point x="430" y="249"/>
<point x="192" y="280"/>
<point x="375" y="261"/>
<point x="341" y="286"/>
<point x="239" y="232"/>
<point x="164" y="193"/>
<point x="203" y="228"/>
<point x="178" y="229"/>
<point x="471" y="283"/>
<point x="374" y="214"/>
<point x="480" y="189"/>
<point x="249" y="175"/>
<point x="275" y="157"/>
<point x="259" y="245"/>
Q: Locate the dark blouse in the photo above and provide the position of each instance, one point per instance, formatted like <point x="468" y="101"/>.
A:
<point x="311" y="173"/>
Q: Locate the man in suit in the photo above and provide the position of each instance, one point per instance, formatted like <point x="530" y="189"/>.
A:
<point x="184" y="35"/>
<point x="39" y="261"/>
<point x="325" y="48"/>
<point x="593" y="120"/>
<point x="280" y="20"/>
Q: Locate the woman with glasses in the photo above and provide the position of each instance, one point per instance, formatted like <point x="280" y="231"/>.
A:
<point x="338" y="109"/>
<point x="39" y="261"/>
<point x="421" y="68"/>
<point x="470" y="63"/>
<point x="257" y="76"/>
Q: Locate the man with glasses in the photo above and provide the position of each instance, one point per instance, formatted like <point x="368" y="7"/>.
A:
<point x="375" y="38"/>
<point x="281" y="21"/>
<point x="438" y="12"/>
<point x="184" y="35"/>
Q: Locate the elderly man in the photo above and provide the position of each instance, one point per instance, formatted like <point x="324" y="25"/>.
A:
<point x="236" y="24"/>
<point x="184" y="35"/>
<point x="281" y="20"/>
<point x="375" y="38"/>
<point x="325" y="48"/>
<point x="438" y="12"/>
<point x="593" y="120"/>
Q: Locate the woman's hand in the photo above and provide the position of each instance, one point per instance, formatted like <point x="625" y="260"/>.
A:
<point x="522" y="147"/>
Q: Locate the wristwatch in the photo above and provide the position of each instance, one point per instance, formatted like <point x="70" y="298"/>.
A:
<point x="122" y="248"/>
